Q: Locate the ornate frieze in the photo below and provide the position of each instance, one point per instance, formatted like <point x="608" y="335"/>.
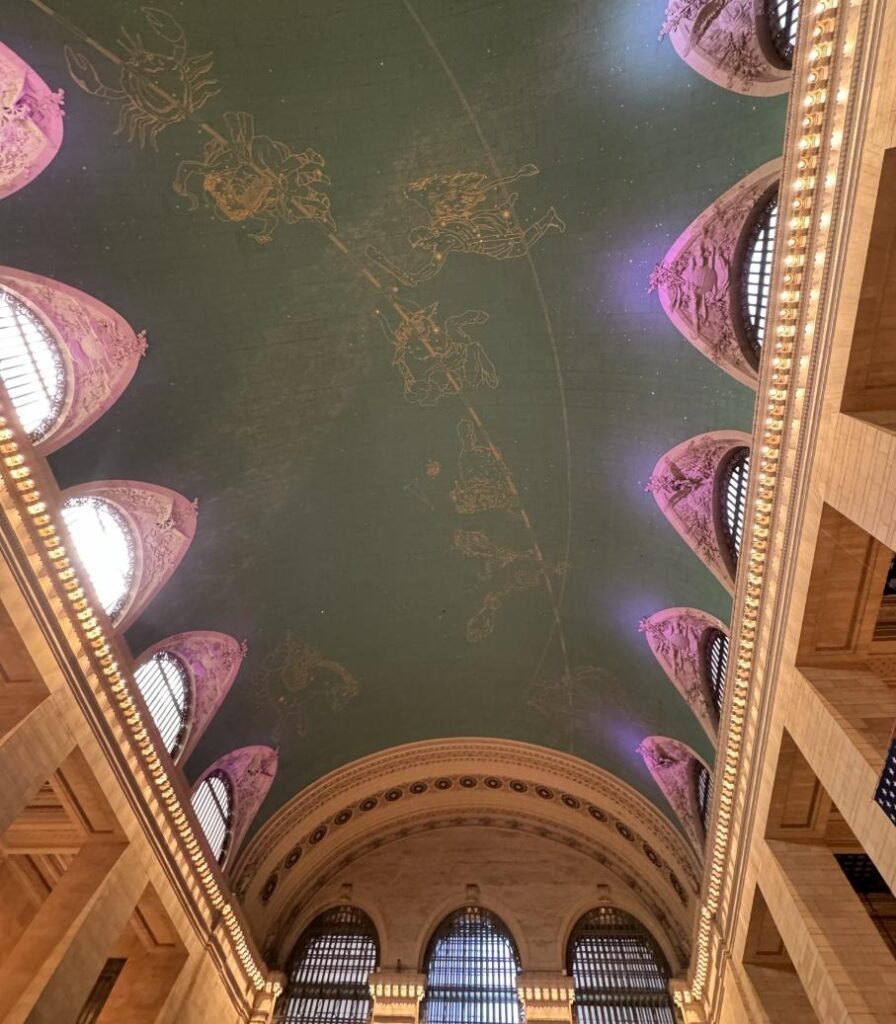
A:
<point x="212" y="661"/>
<point x="673" y="766"/>
<point x="30" y="123"/>
<point x="100" y="350"/>
<point x="721" y="40"/>
<point x="677" y="638"/>
<point x="697" y="280"/>
<point x="683" y="484"/>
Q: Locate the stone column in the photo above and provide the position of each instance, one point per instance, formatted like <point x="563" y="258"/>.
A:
<point x="546" y="996"/>
<point x="843" y="963"/>
<point x="50" y="971"/>
<point x="396" y="996"/>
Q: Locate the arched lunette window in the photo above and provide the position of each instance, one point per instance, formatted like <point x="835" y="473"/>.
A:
<point x="734" y="479"/>
<point x="213" y="805"/>
<point x="164" y="684"/>
<point x="756" y="275"/>
<point x="783" y="17"/>
<point x="715" y="663"/>
<point x="471" y="970"/>
<point x="704" y="794"/>
<point x="619" y="973"/>
<point x="104" y="547"/>
<point x="328" y="972"/>
<point x="31" y="366"/>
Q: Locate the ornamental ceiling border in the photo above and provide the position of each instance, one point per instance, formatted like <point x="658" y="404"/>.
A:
<point x="674" y="920"/>
<point x="387" y="769"/>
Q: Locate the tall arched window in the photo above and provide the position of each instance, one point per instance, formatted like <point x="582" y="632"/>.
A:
<point x="783" y="21"/>
<point x="328" y="971"/>
<point x="31" y="366"/>
<point x="734" y="479"/>
<point x="704" y="793"/>
<point x="164" y="684"/>
<point x="104" y="546"/>
<point x="471" y="969"/>
<point x="756" y="276"/>
<point x="715" y="659"/>
<point x="619" y="972"/>
<point x="213" y="804"/>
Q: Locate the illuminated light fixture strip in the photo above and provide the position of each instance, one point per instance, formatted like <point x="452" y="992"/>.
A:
<point x="16" y="475"/>
<point x="808" y="191"/>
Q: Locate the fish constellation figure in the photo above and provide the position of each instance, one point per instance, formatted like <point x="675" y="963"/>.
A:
<point x="465" y="216"/>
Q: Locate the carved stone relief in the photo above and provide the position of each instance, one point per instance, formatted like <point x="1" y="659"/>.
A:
<point x="719" y="40"/>
<point x="696" y="280"/>
<point x="251" y="771"/>
<point x="163" y="524"/>
<point x="673" y="766"/>
<point x="683" y="485"/>
<point x="675" y="636"/>
<point x="99" y="348"/>
<point x="30" y="123"/>
<point x="213" y="660"/>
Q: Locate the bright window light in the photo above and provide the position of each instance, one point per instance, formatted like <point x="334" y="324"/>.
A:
<point x="105" y="549"/>
<point x="163" y="684"/>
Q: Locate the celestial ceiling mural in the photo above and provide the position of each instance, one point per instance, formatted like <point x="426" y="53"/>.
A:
<point x="393" y="259"/>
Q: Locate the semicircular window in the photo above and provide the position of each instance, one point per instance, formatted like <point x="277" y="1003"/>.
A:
<point x="329" y="969"/>
<point x="716" y="664"/>
<point x="783" y="21"/>
<point x="31" y="366"/>
<point x="756" y="275"/>
<point x="213" y="805"/>
<point x="704" y="793"/>
<point x="734" y="481"/>
<point x="618" y="971"/>
<point x="105" y="548"/>
<point x="164" y="685"/>
<point x="471" y="970"/>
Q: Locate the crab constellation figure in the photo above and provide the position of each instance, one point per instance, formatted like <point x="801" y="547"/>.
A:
<point x="465" y="218"/>
<point x="156" y="89"/>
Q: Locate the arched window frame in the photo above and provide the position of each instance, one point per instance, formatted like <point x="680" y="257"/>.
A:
<point x="33" y="362"/>
<point x="343" y="948"/>
<point x="754" y="260"/>
<point x="451" y="987"/>
<point x="117" y="609"/>
<point x="630" y="974"/>
<point x="732" y="487"/>
<point x="715" y="648"/>
<point x="780" y="24"/>
<point x="164" y="695"/>
<point x="209" y="811"/>
<point x="703" y="793"/>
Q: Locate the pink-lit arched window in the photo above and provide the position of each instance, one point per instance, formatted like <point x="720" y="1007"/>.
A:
<point x="105" y="548"/>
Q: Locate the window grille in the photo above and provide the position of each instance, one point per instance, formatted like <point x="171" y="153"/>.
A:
<point x="886" y="788"/>
<point x="329" y="970"/>
<point x="31" y="366"/>
<point x="890" y="585"/>
<point x="756" y="275"/>
<point x="213" y="805"/>
<point x="735" y="479"/>
<point x="101" y="991"/>
<point x="104" y="547"/>
<point x="872" y="889"/>
<point x="164" y="685"/>
<point x="471" y="971"/>
<point x="717" y="666"/>
<point x="619" y="974"/>
<point x="783" y="21"/>
<point x="704" y="794"/>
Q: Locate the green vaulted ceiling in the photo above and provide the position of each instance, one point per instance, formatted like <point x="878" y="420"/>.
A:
<point x="421" y="489"/>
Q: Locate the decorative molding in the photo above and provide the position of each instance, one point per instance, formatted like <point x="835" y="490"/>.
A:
<point x="676" y="637"/>
<point x="698" y="278"/>
<point x="720" y="40"/>
<point x="212" y="661"/>
<point x="99" y="348"/>
<point x="251" y="771"/>
<point x="162" y="524"/>
<point x="30" y="123"/>
<point x="546" y="995"/>
<point x="683" y="484"/>
<point x="673" y="766"/>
